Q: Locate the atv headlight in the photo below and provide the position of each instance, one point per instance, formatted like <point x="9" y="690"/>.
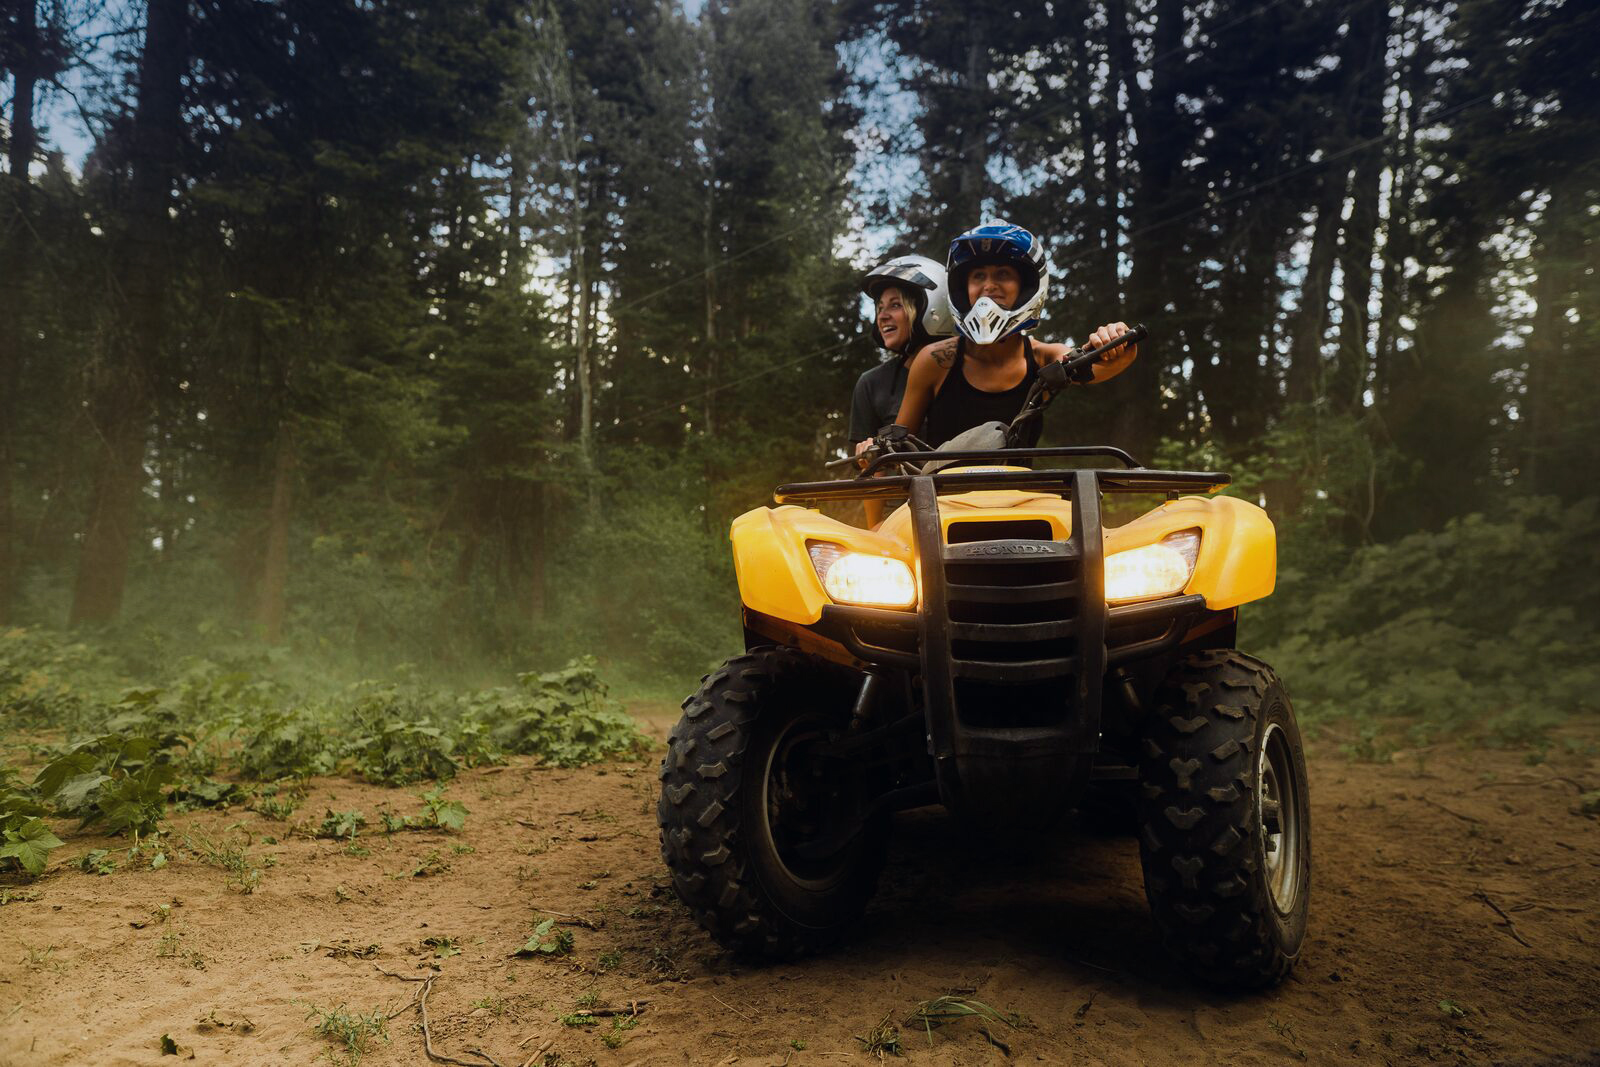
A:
<point x="857" y="578"/>
<point x="1154" y="570"/>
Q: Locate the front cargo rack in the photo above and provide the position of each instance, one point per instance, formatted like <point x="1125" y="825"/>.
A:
<point x="1131" y="478"/>
<point x="982" y="674"/>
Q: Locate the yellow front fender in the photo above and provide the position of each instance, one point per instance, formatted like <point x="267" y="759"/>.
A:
<point x="774" y="570"/>
<point x="1238" y="559"/>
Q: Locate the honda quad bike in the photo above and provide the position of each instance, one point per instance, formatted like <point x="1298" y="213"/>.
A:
<point x="994" y="648"/>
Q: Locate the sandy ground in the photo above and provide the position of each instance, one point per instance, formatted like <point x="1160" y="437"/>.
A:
<point x="1453" y="920"/>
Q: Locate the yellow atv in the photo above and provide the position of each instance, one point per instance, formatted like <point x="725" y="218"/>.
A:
<point x="992" y="647"/>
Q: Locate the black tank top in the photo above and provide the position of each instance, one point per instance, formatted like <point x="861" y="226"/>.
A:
<point x="959" y="405"/>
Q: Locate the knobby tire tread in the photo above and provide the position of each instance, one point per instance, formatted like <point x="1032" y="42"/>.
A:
<point x="1199" y="824"/>
<point x="699" y="808"/>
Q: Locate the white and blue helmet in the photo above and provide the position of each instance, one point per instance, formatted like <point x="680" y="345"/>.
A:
<point x="1000" y="242"/>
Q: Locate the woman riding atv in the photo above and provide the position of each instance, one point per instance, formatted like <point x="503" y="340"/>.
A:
<point x="911" y="309"/>
<point x="998" y="280"/>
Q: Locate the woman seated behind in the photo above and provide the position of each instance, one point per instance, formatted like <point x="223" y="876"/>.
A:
<point x="911" y="309"/>
<point x="998" y="280"/>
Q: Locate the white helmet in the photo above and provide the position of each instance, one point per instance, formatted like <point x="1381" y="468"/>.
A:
<point x="922" y="279"/>
<point x="986" y="321"/>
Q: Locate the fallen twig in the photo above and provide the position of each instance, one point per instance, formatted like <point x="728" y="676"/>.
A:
<point x="1539" y="781"/>
<point x="1456" y="814"/>
<point x="540" y="1051"/>
<point x="577" y="920"/>
<point x="731" y="1008"/>
<point x="427" y="1035"/>
<point x="634" y="1009"/>
<point x="402" y="977"/>
<point x="995" y="1041"/>
<point x="1511" y="927"/>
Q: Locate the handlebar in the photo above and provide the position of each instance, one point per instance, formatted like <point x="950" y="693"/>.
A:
<point x="1075" y="368"/>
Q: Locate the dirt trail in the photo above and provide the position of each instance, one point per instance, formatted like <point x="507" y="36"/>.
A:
<point x="1473" y="882"/>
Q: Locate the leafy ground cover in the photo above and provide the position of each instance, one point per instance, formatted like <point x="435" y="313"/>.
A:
<point x="118" y="757"/>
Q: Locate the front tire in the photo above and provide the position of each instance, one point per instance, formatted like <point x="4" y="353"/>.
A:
<point x="743" y="791"/>
<point x="1225" y="827"/>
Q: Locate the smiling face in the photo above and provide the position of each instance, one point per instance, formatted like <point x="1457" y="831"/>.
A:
<point x="999" y="282"/>
<point x="894" y="319"/>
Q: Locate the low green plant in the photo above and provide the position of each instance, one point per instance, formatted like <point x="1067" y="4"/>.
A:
<point x="392" y="748"/>
<point x="564" y="717"/>
<point x="97" y="861"/>
<point x="941" y="1011"/>
<point x="171" y="947"/>
<point x="116" y="779"/>
<point x="276" y="803"/>
<point x="492" y="1005"/>
<point x="443" y="947"/>
<point x="437" y="814"/>
<point x="25" y="841"/>
<point x="352" y="1033"/>
<point x="548" y="939"/>
<point x="51" y="680"/>
<point x="286" y="744"/>
<point x="620" y="1025"/>
<point x="341" y="825"/>
<point x="431" y="864"/>
<point x="204" y="792"/>
<point x="231" y="857"/>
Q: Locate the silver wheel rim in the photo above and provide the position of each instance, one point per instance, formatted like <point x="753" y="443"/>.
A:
<point x="1282" y="833"/>
<point x="776" y="791"/>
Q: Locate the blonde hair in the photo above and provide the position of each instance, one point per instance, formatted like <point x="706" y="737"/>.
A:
<point x="908" y="301"/>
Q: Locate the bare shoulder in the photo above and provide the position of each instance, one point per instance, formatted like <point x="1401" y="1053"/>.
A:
<point x="941" y="352"/>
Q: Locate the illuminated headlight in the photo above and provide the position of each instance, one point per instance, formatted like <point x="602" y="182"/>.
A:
<point x="857" y="578"/>
<point x="1154" y="570"/>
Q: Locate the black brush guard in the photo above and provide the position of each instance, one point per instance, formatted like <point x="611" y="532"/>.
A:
<point x="1012" y="707"/>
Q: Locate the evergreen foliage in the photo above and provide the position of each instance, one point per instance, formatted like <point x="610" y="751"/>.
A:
<point x="373" y="351"/>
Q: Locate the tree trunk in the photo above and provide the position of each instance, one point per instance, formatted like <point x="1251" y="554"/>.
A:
<point x="1557" y="258"/>
<point x="1135" y="394"/>
<point x="1397" y="242"/>
<point x="1360" y="231"/>
<point x="1099" y="130"/>
<point x="15" y="260"/>
<point x="1310" y="323"/>
<point x="973" y="185"/>
<point x="707" y="249"/>
<point x="270" y="605"/>
<point x="121" y="410"/>
<point x="585" y="371"/>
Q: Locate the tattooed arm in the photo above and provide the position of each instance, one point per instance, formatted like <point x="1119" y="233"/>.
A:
<point x="927" y="373"/>
<point x="942" y="352"/>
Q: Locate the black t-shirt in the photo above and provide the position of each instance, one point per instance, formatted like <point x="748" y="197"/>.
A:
<point x="877" y="397"/>
<point x="959" y="405"/>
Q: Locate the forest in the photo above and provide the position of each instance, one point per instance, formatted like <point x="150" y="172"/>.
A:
<point x="379" y="380"/>
<point x="453" y="334"/>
